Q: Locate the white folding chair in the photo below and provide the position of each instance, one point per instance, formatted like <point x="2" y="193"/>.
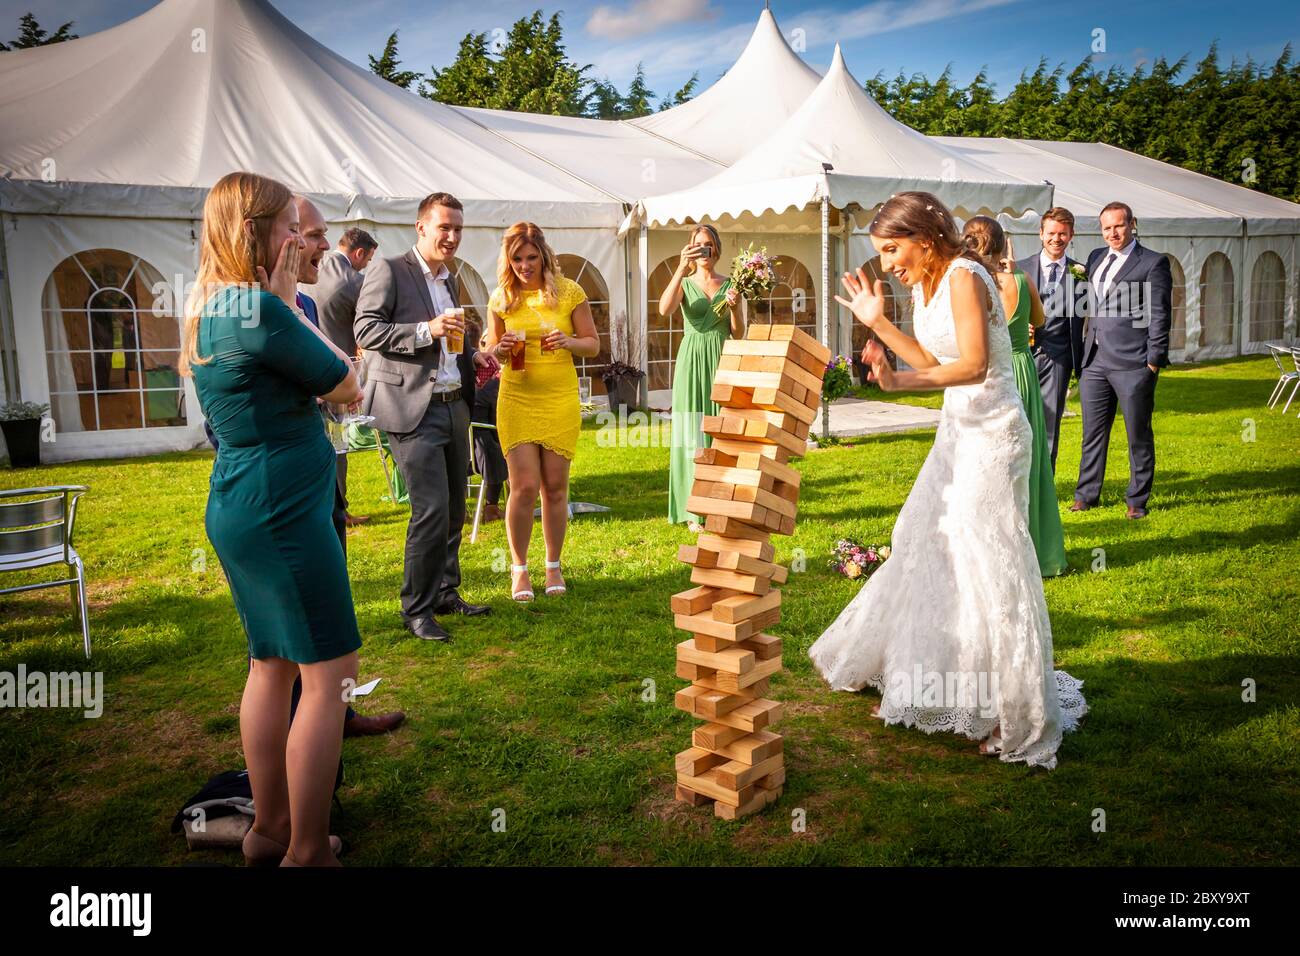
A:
<point x="34" y="534"/>
<point x="1295" y="360"/>
<point x="1280" y="357"/>
<point x="481" y="483"/>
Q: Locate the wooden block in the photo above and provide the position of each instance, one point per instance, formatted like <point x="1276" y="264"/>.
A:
<point x="761" y="798"/>
<point x="696" y="556"/>
<point x="787" y="526"/>
<point x="713" y="737"/>
<point x="734" y="528"/>
<point x="742" y="607"/>
<point x="735" y="659"/>
<point x="711" y="645"/>
<point x="697" y="760"/>
<point x="757" y="331"/>
<point x="711" y="456"/>
<point x="757" y="347"/>
<point x="743" y="564"/>
<point x="741" y="510"/>
<point x="808" y="361"/>
<point x="692" y="672"/>
<point x="707" y="625"/>
<point x="734" y="683"/>
<point x="754" y="477"/>
<point x="749" y="715"/>
<point x="698" y="600"/>
<point x="708" y="785"/>
<point x="762" y="550"/>
<point x="765" y="432"/>
<point x="769" y="500"/>
<point x="773" y="781"/>
<point x="729" y="361"/>
<point x="741" y="447"/>
<point x="764" y="646"/>
<point x="747" y="583"/>
<point x="791" y="333"/>
<point x="759" y="363"/>
<point x="735" y="775"/>
<point x="748" y="749"/>
<point x="682" y="795"/>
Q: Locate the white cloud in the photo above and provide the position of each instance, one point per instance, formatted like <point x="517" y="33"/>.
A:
<point x="645" y="16"/>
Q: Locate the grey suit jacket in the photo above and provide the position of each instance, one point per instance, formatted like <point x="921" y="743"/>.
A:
<point x="336" y="292"/>
<point x="1130" y="327"/>
<point x="394" y="300"/>
<point x="1061" y="336"/>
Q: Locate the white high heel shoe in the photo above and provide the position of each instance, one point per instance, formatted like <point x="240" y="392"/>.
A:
<point x="524" y="595"/>
<point x="554" y="589"/>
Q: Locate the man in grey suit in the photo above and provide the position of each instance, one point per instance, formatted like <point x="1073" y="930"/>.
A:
<point x="421" y="393"/>
<point x="1058" y="343"/>
<point x="1125" y="344"/>
<point x="336" y="293"/>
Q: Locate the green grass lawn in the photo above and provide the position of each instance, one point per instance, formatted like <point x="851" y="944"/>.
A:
<point x="538" y="710"/>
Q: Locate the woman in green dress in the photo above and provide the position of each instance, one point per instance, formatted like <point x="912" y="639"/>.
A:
<point x="258" y="368"/>
<point x="697" y="288"/>
<point x="1020" y="302"/>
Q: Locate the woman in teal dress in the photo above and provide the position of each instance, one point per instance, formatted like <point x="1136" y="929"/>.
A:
<point x="700" y="291"/>
<point x="258" y="367"/>
<point x="1020" y="301"/>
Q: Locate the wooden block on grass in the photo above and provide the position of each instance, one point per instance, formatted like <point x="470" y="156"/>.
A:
<point x="733" y="610"/>
<point x="762" y="550"/>
<point x="697" y="760"/>
<point x="735" y="775"/>
<point x="682" y="795"/>
<point x="698" y="600"/>
<point x="734" y="659"/>
<point x="749" y="749"/>
<point x="760" y="798"/>
<point x="713" y="737"/>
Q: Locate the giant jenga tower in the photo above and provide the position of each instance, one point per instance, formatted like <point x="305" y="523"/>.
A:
<point x="769" y="385"/>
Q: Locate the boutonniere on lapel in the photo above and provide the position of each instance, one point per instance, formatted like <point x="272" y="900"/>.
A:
<point x="1079" y="272"/>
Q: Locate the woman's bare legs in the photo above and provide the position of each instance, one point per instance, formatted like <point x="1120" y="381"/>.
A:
<point x="555" y="510"/>
<point x="524" y="463"/>
<point x="264" y="729"/>
<point x="312" y="757"/>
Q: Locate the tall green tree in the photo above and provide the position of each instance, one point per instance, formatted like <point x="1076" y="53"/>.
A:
<point x="387" y="64"/>
<point x="535" y="75"/>
<point x="685" y="93"/>
<point x="639" y="95"/>
<point x="31" y="34"/>
<point x="471" y="78"/>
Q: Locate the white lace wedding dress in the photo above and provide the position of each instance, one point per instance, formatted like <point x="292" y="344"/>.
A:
<point x="953" y="628"/>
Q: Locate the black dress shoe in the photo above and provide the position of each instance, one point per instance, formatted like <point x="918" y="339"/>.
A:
<point x="427" y="629"/>
<point x="458" y="605"/>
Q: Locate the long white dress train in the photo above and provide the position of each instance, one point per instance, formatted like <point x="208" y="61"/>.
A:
<point x="953" y="628"/>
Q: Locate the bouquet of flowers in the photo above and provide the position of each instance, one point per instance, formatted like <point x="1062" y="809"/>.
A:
<point x="753" y="274"/>
<point x="855" y="561"/>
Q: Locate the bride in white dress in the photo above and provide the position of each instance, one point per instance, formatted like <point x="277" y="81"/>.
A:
<point x="953" y="628"/>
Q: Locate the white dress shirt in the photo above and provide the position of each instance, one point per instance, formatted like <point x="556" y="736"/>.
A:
<point x="1120" y="258"/>
<point x="1044" y="266"/>
<point x="448" y="374"/>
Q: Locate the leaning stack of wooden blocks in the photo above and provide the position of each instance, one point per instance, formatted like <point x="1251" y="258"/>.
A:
<point x="769" y="385"/>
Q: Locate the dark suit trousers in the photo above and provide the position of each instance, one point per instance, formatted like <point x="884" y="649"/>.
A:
<point x="341" y="477"/>
<point x="434" y="460"/>
<point x="1054" y="383"/>
<point x="1133" y="391"/>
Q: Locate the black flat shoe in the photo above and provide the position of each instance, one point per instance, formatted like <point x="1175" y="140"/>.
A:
<point x="459" y="605"/>
<point x="427" y="629"/>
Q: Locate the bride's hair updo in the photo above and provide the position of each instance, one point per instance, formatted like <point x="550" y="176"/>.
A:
<point x="922" y="217"/>
<point x="986" y="238"/>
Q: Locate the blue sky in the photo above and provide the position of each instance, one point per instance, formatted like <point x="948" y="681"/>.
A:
<point x="674" y="38"/>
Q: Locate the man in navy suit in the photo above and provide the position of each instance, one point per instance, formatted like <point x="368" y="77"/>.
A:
<point x="1125" y="344"/>
<point x="1058" y="343"/>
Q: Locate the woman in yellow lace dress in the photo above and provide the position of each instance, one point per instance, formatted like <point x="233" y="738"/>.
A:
<point x="537" y="321"/>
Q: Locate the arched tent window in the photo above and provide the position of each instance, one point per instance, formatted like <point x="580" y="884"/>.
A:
<point x="112" y="344"/>
<point x="1217" y="293"/>
<point x="1177" y="306"/>
<point x="665" y="330"/>
<point x="794" y="299"/>
<point x="585" y="274"/>
<point x="898" y="306"/>
<point x="1267" y="298"/>
<point x="473" y="297"/>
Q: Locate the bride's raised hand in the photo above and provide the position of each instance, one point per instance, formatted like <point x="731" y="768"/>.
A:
<point x="874" y="355"/>
<point x="866" y="298"/>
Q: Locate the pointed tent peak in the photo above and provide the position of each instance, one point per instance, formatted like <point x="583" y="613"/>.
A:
<point x="766" y="85"/>
<point x="837" y="61"/>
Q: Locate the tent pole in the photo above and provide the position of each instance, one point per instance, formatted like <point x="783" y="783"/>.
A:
<point x="823" y="331"/>
<point x="8" y="334"/>
<point x="642" y="358"/>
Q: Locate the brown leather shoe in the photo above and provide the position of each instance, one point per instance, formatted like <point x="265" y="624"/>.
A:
<point x="360" y="726"/>
<point x="1136" y="512"/>
<point x="1080" y="505"/>
<point x="492" y="513"/>
<point x="353" y="520"/>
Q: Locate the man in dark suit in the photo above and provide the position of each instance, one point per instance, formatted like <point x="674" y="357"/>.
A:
<point x="422" y="394"/>
<point x="336" y="291"/>
<point x="1058" y="343"/>
<point x="1125" y="344"/>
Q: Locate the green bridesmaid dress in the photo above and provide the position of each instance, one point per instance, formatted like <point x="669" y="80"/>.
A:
<point x="1044" y="512"/>
<point x="271" y="494"/>
<point x="697" y="363"/>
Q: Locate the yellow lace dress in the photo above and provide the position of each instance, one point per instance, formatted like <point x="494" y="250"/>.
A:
<point x="539" y="405"/>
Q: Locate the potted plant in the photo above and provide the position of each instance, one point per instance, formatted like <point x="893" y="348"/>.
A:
<point x="21" y="424"/>
<point x="622" y="385"/>
<point x="836" y="383"/>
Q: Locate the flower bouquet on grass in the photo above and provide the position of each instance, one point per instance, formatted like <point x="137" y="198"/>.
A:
<point x="753" y="274"/>
<point x="855" y="561"/>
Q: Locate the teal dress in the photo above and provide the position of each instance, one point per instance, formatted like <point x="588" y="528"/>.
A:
<point x="1044" y="512"/>
<point x="271" y="493"/>
<point x="697" y="363"/>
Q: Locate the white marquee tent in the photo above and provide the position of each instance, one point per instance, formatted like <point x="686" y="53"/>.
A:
<point x="111" y="141"/>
